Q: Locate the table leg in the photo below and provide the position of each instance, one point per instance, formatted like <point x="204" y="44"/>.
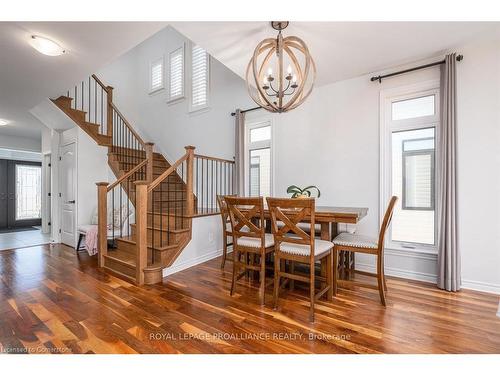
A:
<point x="326" y="234"/>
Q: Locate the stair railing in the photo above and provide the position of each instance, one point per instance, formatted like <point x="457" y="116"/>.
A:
<point x="164" y="207"/>
<point x="212" y="177"/>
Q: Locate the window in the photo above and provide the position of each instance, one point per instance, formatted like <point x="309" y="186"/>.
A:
<point x="176" y="74"/>
<point x="199" y="78"/>
<point x="259" y="170"/>
<point x="409" y="120"/>
<point x="28" y="192"/>
<point x="156" y="81"/>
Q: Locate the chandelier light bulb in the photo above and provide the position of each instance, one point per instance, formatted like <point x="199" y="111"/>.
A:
<point x="289" y="69"/>
<point x="269" y="72"/>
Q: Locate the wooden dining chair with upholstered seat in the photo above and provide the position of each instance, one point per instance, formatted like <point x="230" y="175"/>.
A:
<point x="362" y="244"/>
<point x="249" y="239"/>
<point x="294" y="244"/>
<point x="227" y="238"/>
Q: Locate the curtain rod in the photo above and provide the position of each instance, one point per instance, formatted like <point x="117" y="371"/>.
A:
<point x="246" y="110"/>
<point x="380" y="78"/>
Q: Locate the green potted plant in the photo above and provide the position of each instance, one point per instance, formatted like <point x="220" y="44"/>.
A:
<point x="302" y="193"/>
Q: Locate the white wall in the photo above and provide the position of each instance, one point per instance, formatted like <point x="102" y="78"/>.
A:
<point x="20" y="143"/>
<point x="170" y="125"/>
<point x="332" y="141"/>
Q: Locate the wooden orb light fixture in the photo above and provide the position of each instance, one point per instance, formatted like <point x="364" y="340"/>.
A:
<point x="281" y="73"/>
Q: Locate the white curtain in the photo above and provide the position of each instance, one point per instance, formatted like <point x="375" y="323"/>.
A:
<point x="239" y="153"/>
<point x="449" y="273"/>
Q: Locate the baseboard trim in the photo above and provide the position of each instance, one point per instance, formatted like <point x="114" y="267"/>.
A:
<point x="398" y="272"/>
<point x="481" y="287"/>
<point x="191" y="262"/>
<point x="430" y="278"/>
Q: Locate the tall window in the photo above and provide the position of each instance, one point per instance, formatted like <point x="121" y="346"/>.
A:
<point x="199" y="78"/>
<point x="410" y="118"/>
<point x="176" y="74"/>
<point x="259" y="165"/>
<point x="28" y="192"/>
<point x="156" y="80"/>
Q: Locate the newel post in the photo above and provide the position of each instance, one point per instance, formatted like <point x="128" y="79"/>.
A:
<point x="189" y="180"/>
<point x="109" y="101"/>
<point x="141" y="237"/>
<point x="102" y="221"/>
<point x="149" y="157"/>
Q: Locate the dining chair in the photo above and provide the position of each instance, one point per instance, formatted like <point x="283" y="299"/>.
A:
<point x="294" y="244"/>
<point x="249" y="239"/>
<point x="354" y="243"/>
<point x="226" y="228"/>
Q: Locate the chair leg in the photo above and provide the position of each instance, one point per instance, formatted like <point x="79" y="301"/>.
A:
<point x="380" y="280"/>
<point x="235" y="266"/>
<point x="329" y="275"/>
<point x="311" y="293"/>
<point x="79" y="242"/>
<point x="292" y="270"/>
<point x="224" y="251"/>
<point x="263" y="279"/>
<point x="276" y="286"/>
<point x="335" y="270"/>
<point x="383" y="273"/>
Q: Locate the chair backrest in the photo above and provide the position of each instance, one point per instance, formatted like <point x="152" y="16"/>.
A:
<point x="223" y="210"/>
<point x="247" y="216"/>
<point x="291" y="212"/>
<point x="386" y="221"/>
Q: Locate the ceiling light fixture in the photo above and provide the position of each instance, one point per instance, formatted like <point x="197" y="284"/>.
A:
<point x="46" y="46"/>
<point x="3" y="122"/>
<point x="281" y="73"/>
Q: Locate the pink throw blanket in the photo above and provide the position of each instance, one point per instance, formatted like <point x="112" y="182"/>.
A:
<point x="91" y="240"/>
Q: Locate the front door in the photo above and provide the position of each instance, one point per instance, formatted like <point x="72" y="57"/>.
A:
<point x="4" y="196"/>
<point x="20" y="193"/>
<point x="68" y="193"/>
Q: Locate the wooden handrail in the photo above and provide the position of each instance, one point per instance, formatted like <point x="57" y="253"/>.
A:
<point x="212" y="158"/>
<point x="128" y="174"/>
<point x="100" y="82"/>
<point x="167" y="173"/>
<point x="127" y="124"/>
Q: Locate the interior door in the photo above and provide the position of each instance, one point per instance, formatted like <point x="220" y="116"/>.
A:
<point x="3" y="194"/>
<point x="67" y="198"/>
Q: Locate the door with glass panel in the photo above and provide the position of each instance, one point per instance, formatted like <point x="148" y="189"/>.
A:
<point x="20" y="193"/>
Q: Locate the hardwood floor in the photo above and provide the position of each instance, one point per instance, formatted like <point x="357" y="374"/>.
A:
<point x="52" y="301"/>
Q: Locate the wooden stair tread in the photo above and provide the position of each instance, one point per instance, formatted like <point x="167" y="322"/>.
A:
<point x="122" y="257"/>
<point x="176" y="231"/>
<point x="160" y="248"/>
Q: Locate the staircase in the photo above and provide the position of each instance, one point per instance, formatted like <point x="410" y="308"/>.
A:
<point x="145" y="216"/>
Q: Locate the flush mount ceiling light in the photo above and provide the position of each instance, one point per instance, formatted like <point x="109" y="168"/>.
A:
<point x="46" y="46"/>
<point x="280" y="75"/>
<point x="3" y="122"/>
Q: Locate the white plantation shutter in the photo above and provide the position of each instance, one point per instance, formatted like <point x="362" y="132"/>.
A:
<point x="156" y="78"/>
<point x="176" y="84"/>
<point x="199" y="81"/>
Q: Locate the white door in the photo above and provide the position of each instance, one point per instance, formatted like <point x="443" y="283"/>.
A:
<point x="67" y="198"/>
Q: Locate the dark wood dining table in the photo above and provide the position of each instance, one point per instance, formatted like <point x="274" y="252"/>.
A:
<point x="329" y="216"/>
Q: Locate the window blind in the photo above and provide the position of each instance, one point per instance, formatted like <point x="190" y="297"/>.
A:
<point x="199" y="82"/>
<point x="156" y="75"/>
<point x="176" y="73"/>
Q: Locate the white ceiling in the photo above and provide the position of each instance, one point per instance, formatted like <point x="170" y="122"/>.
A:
<point x="28" y="77"/>
<point x="341" y="50"/>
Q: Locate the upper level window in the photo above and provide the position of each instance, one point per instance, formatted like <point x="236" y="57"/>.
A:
<point x="199" y="78"/>
<point x="413" y="108"/>
<point x="408" y="126"/>
<point x="156" y="80"/>
<point x="176" y="74"/>
<point x="259" y="166"/>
